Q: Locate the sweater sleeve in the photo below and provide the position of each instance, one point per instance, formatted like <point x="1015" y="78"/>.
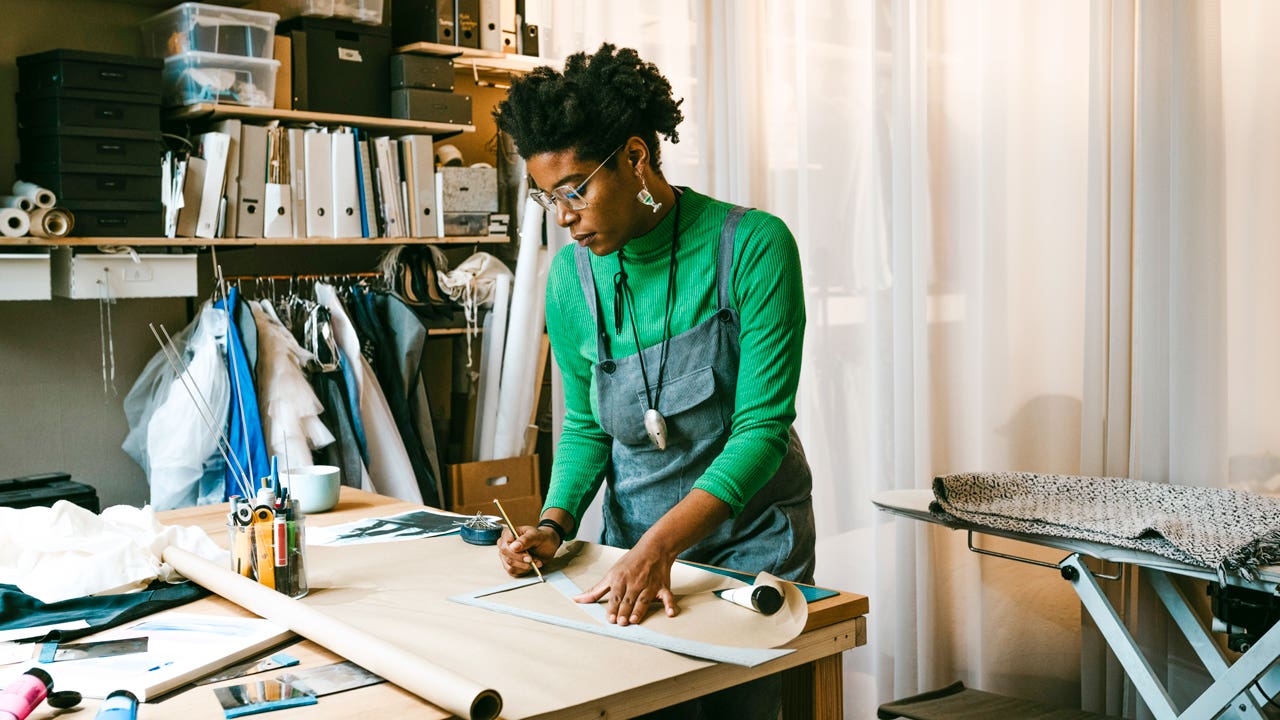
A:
<point x="583" y="451"/>
<point x="768" y="291"/>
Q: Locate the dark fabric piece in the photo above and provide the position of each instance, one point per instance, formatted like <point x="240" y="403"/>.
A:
<point x="956" y="702"/>
<point x="19" y="610"/>
<point x="410" y="336"/>
<point x="374" y="336"/>
<point x="248" y="328"/>
<point x="331" y="389"/>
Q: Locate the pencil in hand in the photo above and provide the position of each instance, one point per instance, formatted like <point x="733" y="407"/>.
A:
<point x="516" y="533"/>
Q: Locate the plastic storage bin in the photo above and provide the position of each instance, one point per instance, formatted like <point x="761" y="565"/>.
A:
<point x="368" y="12"/>
<point x="197" y="27"/>
<point x="198" y="77"/>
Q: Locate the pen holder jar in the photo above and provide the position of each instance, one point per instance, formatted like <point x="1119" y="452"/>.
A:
<point x="271" y="552"/>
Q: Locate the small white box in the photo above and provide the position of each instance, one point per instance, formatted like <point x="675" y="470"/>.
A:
<point x="24" y="277"/>
<point x="92" y="276"/>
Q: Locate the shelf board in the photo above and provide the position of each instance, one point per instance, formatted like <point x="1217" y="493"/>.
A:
<point x="449" y="331"/>
<point x="244" y="242"/>
<point x="464" y="58"/>
<point x="214" y="111"/>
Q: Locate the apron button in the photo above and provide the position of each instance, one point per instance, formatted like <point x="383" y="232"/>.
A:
<point x="724" y="315"/>
<point x="608" y="366"/>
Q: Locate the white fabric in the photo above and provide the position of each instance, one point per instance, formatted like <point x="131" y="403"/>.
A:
<point x="289" y="407"/>
<point x="179" y="434"/>
<point x="472" y="285"/>
<point x="65" y="551"/>
<point x="389" y="469"/>
<point x="490" y="376"/>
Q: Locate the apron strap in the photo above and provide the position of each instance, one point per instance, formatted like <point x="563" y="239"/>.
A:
<point x="582" y="258"/>
<point x="724" y="266"/>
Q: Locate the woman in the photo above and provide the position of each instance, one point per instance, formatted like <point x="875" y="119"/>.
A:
<point x="694" y="433"/>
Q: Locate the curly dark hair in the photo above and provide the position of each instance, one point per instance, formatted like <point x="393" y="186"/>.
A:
<point x="592" y="107"/>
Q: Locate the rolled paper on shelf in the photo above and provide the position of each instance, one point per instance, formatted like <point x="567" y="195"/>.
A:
<point x="14" y="222"/>
<point x="42" y="197"/>
<point x="51" y="222"/>
<point x="21" y="202"/>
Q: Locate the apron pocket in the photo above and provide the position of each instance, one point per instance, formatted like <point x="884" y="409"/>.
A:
<point x="690" y="406"/>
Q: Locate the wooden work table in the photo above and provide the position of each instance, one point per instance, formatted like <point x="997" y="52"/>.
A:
<point x="813" y="673"/>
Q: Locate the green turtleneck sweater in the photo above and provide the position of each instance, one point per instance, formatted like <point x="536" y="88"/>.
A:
<point x="768" y="293"/>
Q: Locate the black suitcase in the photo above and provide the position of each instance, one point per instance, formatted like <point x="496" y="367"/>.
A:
<point x="46" y="489"/>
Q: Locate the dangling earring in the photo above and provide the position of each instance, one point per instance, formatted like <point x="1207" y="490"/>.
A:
<point x="646" y="198"/>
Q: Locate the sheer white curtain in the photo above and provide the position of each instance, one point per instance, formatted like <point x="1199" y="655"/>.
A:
<point x="1036" y="236"/>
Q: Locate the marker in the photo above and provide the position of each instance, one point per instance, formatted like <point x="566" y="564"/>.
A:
<point x="24" y="694"/>
<point x="119" y="705"/>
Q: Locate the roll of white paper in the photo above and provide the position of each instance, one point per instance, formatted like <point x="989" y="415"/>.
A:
<point x="519" y="362"/>
<point x="42" y="197"/>
<point x="765" y="597"/>
<point x="21" y="202"/>
<point x="13" y="222"/>
<point x="51" y="222"/>
<point x="494" y="341"/>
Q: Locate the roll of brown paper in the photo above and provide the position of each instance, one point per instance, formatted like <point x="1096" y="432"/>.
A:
<point x="51" y="222"/>
<point x="442" y="687"/>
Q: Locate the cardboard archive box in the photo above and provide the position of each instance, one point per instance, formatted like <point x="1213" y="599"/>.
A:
<point x="514" y="482"/>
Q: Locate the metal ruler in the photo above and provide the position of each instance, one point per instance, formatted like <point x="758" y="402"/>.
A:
<point x="746" y="657"/>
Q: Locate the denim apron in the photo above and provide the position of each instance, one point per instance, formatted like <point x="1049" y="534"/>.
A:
<point x="775" y="531"/>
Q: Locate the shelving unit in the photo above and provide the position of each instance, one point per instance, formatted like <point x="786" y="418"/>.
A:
<point x="486" y="60"/>
<point x="213" y="111"/>
<point x="246" y="242"/>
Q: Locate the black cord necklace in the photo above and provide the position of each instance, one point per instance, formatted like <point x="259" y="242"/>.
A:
<point x="654" y="423"/>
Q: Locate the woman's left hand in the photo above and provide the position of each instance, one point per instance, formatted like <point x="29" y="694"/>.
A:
<point x="636" y="580"/>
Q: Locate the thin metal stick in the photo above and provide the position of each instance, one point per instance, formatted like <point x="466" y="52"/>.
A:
<point x="197" y="400"/>
<point x="239" y="472"/>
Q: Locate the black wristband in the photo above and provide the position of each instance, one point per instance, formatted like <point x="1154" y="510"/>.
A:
<point x="556" y="527"/>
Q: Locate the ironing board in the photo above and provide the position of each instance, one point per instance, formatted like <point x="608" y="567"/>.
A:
<point x="1233" y="683"/>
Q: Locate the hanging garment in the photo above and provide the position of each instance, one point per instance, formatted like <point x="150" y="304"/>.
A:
<point x="377" y="338"/>
<point x="248" y="328"/>
<point x="148" y="392"/>
<point x="289" y="408"/>
<point x="472" y="285"/>
<point x="409" y="336"/>
<point x="389" y="467"/>
<point x="345" y="453"/>
<point x="775" y="531"/>
<point x="181" y="439"/>
<point x="247" y="446"/>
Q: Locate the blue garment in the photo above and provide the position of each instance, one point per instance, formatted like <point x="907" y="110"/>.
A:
<point x="353" y="402"/>
<point x="244" y="431"/>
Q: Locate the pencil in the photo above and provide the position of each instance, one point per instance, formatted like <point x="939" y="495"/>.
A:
<point x="513" y="532"/>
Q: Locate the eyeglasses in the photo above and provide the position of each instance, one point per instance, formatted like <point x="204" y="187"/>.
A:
<point x="568" y="195"/>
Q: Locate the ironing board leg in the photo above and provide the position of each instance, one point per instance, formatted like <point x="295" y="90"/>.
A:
<point x="1248" y="704"/>
<point x="1118" y="638"/>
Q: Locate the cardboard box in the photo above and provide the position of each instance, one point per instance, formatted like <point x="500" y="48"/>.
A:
<point x="284" y="76"/>
<point x="513" y="481"/>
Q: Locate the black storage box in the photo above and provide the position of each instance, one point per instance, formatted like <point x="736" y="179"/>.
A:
<point x="80" y="70"/>
<point x="430" y="106"/>
<point x="58" y="146"/>
<point x="414" y="21"/>
<point x="426" y="72"/>
<point x="46" y="489"/>
<point x="340" y="66"/>
<point x="85" y="108"/>
<point x="96" y="182"/>
<point x="98" y="218"/>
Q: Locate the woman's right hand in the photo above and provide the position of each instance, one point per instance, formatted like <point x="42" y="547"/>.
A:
<point x="534" y="545"/>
